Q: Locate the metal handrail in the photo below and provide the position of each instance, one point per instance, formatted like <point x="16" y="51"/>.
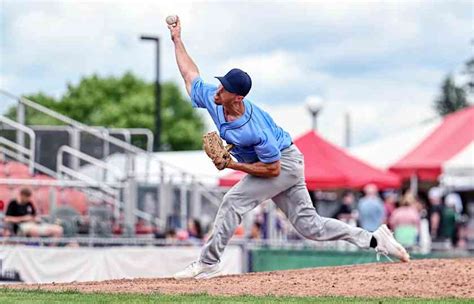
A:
<point x="126" y="135"/>
<point x="60" y="168"/>
<point x="28" y="131"/>
<point x="46" y="182"/>
<point x="82" y="177"/>
<point x="137" y="131"/>
<point x="14" y="145"/>
<point x="86" y="157"/>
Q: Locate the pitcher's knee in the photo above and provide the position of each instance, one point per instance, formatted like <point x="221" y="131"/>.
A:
<point x="311" y="227"/>
<point x="230" y="203"/>
<point x="227" y="201"/>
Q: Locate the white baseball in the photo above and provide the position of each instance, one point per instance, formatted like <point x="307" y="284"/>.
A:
<point x="172" y="19"/>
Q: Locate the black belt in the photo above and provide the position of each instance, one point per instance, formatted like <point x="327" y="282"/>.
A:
<point x="286" y="147"/>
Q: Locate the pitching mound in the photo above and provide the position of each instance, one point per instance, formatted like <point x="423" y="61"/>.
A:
<point x="430" y="278"/>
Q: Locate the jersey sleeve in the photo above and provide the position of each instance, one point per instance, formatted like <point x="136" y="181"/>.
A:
<point x="33" y="209"/>
<point x="267" y="149"/>
<point x="10" y="210"/>
<point x="202" y="94"/>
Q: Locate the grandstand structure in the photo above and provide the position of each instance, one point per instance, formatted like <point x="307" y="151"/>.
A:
<point x="66" y="167"/>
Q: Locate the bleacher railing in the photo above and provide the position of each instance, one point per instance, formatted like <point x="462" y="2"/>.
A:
<point x="130" y="152"/>
<point x="15" y="150"/>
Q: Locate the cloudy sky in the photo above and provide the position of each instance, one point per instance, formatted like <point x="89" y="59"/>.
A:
<point x="381" y="61"/>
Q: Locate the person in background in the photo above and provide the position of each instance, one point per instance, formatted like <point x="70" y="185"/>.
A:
<point x="170" y="236"/>
<point x="347" y="212"/>
<point x="390" y="204"/>
<point x="435" y="211"/>
<point x="405" y="221"/>
<point x="451" y="226"/>
<point x="21" y="214"/>
<point x="256" y="231"/>
<point x="371" y="209"/>
<point x="195" y="229"/>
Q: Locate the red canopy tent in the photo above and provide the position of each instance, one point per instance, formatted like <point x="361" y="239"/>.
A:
<point x="455" y="133"/>
<point x="329" y="167"/>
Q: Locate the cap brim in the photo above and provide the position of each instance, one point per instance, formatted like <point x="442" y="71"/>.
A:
<point x="226" y="84"/>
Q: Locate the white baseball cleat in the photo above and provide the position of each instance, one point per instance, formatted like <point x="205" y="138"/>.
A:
<point x="198" y="270"/>
<point x="387" y="245"/>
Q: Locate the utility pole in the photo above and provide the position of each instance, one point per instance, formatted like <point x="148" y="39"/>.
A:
<point x="157" y="142"/>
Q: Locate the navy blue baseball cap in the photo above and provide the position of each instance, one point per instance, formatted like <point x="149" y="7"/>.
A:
<point x="236" y="81"/>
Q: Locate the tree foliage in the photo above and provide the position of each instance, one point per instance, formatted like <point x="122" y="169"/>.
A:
<point x="124" y="102"/>
<point x="469" y="71"/>
<point x="451" y="99"/>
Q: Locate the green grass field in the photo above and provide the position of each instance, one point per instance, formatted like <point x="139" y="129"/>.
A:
<point x="21" y="296"/>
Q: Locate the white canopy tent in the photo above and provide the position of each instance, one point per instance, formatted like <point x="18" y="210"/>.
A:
<point x="458" y="172"/>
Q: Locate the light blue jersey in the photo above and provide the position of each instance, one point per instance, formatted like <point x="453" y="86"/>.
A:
<point x="255" y="135"/>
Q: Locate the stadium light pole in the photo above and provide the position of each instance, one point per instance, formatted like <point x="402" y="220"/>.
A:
<point x="314" y="105"/>
<point x="157" y="142"/>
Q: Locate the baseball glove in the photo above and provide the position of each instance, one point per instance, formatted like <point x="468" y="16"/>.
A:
<point x="214" y="147"/>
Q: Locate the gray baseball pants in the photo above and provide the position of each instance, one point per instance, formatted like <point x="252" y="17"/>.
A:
<point x="288" y="191"/>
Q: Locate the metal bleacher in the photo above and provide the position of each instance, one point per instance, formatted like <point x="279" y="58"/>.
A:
<point x="50" y="158"/>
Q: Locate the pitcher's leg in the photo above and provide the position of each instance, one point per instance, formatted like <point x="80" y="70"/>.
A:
<point x="243" y="197"/>
<point x="296" y="204"/>
<point x="227" y="219"/>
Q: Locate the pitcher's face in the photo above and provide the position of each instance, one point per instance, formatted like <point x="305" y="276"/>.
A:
<point x="223" y="97"/>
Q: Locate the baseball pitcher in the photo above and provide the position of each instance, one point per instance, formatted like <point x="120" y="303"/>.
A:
<point x="274" y="165"/>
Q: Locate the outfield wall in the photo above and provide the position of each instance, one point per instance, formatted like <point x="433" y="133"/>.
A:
<point x="280" y="259"/>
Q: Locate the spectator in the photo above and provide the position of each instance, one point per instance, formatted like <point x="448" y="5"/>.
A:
<point x="405" y="221"/>
<point x="256" y="231"/>
<point x="21" y="214"/>
<point x="195" y="229"/>
<point x="171" y="236"/>
<point x="390" y="203"/>
<point x="435" y="211"/>
<point x="451" y="226"/>
<point x="346" y="211"/>
<point x="371" y="209"/>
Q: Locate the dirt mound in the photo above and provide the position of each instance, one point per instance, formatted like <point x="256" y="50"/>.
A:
<point x="431" y="278"/>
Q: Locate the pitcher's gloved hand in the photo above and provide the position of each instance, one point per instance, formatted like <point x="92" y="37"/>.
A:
<point x="214" y="147"/>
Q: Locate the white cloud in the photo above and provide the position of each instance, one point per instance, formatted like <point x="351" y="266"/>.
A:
<point x="5" y="82"/>
<point x="276" y="70"/>
<point x="381" y="60"/>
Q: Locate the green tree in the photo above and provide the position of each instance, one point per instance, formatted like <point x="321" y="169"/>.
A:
<point x="124" y="102"/>
<point x="451" y="99"/>
<point x="469" y="71"/>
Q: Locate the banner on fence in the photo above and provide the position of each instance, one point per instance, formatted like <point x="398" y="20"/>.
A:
<point x="63" y="264"/>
